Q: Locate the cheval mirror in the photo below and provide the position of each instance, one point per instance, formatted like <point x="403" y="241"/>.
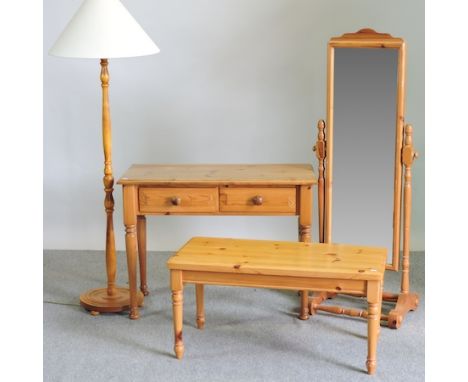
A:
<point x="362" y="149"/>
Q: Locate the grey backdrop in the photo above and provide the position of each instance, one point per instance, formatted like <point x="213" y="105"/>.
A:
<point x="236" y="82"/>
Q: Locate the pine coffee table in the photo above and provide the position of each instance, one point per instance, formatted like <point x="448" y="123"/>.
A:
<point x="278" y="265"/>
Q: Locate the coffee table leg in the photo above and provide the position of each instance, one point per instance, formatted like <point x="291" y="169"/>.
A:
<point x="374" y="300"/>
<point x="200" y="306"/>
<point x="177" y="311"/>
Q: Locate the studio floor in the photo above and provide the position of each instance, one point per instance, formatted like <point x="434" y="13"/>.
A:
<point x="250" y="334"/>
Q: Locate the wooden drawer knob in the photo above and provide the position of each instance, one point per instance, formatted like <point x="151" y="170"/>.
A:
<point x="257" y="200"/>
<point x="175" y="200"/>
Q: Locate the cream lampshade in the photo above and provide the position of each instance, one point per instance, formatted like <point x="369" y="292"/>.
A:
<point x="105" y="29"/>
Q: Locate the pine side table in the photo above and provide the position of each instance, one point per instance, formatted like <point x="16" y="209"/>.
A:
<point x="250" y="189"/>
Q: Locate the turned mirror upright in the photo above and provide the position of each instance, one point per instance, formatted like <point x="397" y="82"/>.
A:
<point x="365" y="154"/>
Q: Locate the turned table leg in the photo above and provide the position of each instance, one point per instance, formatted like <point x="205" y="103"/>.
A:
<point x="177" y="311"/>
<point x="304" y="315"/>
<point x="305" y="222"/>
<point x="200" y="306"/>
<point x="141" y="235"/>
<point x="374" y="300"/>
<point x="130" y="219"/>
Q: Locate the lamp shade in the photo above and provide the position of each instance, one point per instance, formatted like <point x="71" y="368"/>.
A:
<point x="103" y="29"/>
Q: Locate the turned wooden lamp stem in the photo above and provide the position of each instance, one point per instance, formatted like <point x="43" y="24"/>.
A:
<point x="113" y="298"/>
<point x="111" y="263"/>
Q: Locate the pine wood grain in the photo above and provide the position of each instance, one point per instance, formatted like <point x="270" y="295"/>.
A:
<point x="281" y="258"/>
<point x="257" y="199"/>
<point x="229" y="174"/>
<point x="280" y="265"/>
<point x="173" y="199"/>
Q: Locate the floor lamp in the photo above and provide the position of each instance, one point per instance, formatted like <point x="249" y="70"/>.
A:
<point x="103" y="29"/>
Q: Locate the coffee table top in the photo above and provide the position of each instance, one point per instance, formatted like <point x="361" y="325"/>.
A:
<point x="282" y="258"/>
<point x="214" y="174"/>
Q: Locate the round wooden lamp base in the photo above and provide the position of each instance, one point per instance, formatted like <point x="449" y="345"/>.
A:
<point x="98" y="301"/>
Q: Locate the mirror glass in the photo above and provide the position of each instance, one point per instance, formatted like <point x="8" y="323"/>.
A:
<point x="365" y="91"/>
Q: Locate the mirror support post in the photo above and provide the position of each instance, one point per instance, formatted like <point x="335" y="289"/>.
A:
<point x="406" y="301"/>
<point x="408" y="155"/>
<point x="320" y="153"/>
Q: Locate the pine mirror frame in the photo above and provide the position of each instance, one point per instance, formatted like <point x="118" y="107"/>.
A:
<point x="367" y="38"/>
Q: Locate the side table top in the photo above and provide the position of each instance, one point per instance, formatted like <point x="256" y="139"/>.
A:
<point x="215" y="174"/>
<point x="281" y="258"/>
